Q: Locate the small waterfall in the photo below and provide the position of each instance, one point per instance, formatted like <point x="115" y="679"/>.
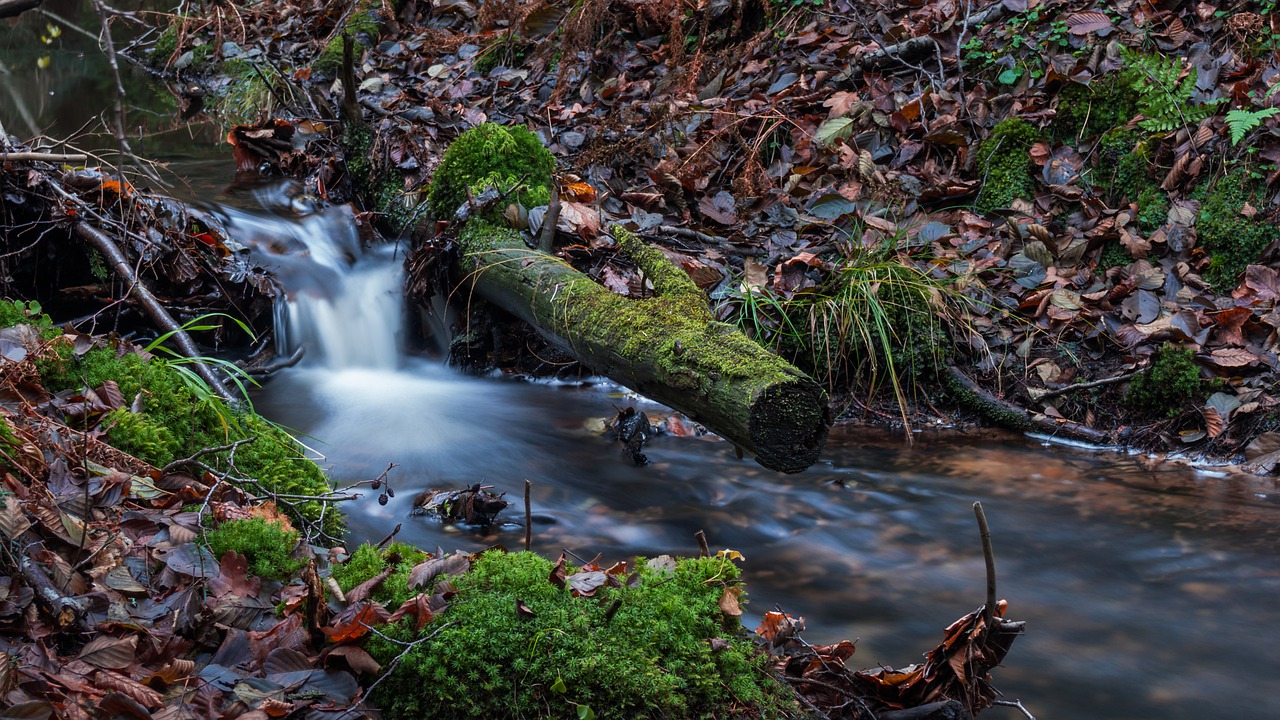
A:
<point x="343" y="303"/>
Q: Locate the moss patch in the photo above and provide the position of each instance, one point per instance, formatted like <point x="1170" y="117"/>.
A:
<point x="1232" y="240"/>
<point x="490" y="154"/>
<point x="1170" y="386"/>
<point x="267" y="546"/>
<point x="176" y="421"/>
<point x="249" y="92"/>
<point x="361" y="26"/>
<point x="367" y="561"/>
<point x="1004" y="165"/>
<point x="666" y="651"/>
<point x="1085" y="111"/>
<point x="1124" y="176"/>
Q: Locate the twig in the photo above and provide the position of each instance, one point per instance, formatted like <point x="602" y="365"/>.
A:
<point x="395" y="662"/>
<point x="387" y="540"/>
<point x="14" y="8"/>
<point x="988" y="613"/>
<point x="118" y="102"/>
<point x="528" y="517"/>
<point x="206" y="451"/>
<point x="1015" y="704"/>
<point x="68" y="611"/>
<point x="115" y="258"/>
<point x="691" y="234"/>
<point x="39" y="156"/>
<point x="548" y="235"/>
<point x="703" y="549"/>
<point x="278" y="364"/>
<point x="1087" y="385"/>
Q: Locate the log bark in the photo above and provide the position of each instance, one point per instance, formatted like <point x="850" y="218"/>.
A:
<point x="14" y="8"/>
<point x="667" y="347"/>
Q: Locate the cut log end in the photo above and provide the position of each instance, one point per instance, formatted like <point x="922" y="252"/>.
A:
<point x="789" y="424"/>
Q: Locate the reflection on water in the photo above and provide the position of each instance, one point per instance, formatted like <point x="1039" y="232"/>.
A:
<point x="1149" y="591"/>
<point x="63" y="90"/>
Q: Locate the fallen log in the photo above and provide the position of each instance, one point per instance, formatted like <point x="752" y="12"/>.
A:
<point x="667" y="347"/>
<point x="14" y="8"/>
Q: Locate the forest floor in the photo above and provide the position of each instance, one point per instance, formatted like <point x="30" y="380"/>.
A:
<point x="1066" y="207"/>
<point x="1056" y="216"/>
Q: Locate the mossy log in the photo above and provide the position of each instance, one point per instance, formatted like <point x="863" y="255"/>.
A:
<point x="667" y="347"/>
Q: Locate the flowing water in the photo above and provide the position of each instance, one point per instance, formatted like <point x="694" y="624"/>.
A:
<point x="1151" y="589"/>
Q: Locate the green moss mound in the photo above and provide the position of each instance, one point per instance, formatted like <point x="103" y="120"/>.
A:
<point x="177" y="420"/>
<point x="267" y="546"/>
<point x="1232" y="241"/>
<point x="667" y="651"/>
<point x="1085" y="111"/>
<point x="1124" y="175"/>
<point x="367" y="561"/>
<point x="1170" y="386"/>
<point x="495" y="155"/>
<point x="1004" y="165"/>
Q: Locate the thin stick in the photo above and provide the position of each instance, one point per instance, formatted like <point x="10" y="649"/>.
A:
<point x="161" y="317"/>
<point x="547" y="238"/>
<point x="988" y="613"/>
<point x="1087" y="385"/>
<point x="387" y="540"/>
<point x="528" y="517"/>
<point x="703" y="549"/>
<point x="48" y="157"/>
<point x="1015" y="704"/>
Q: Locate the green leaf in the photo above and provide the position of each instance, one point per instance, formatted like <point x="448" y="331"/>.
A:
<point x="558" y="686"/>
<point x="834" y="129"/>
<point x="586" y="713"/>
<point x="1010" y="76"/>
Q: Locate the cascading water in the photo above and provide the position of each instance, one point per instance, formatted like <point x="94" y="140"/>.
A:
<point x="875" y="541"/>
<point x="342" y="303"/>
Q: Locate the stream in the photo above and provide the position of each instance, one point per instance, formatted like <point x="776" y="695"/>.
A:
<point x="1150" y="588"/>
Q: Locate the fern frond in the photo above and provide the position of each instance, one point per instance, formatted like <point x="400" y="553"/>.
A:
<point x="1164" y="93"/>
<point x="1240" y="122"/>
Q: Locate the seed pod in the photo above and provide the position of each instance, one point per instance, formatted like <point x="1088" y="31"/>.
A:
<point x="382" y="499"/>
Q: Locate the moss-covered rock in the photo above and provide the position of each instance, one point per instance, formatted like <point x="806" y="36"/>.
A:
<point x="1002" y="163"/>
<point x="491" y="154"/>
<point x="519" y="646"/>
<point x="1232" y="240"/>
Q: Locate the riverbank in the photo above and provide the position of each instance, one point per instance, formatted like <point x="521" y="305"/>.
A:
<point x="911" y="211"/>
